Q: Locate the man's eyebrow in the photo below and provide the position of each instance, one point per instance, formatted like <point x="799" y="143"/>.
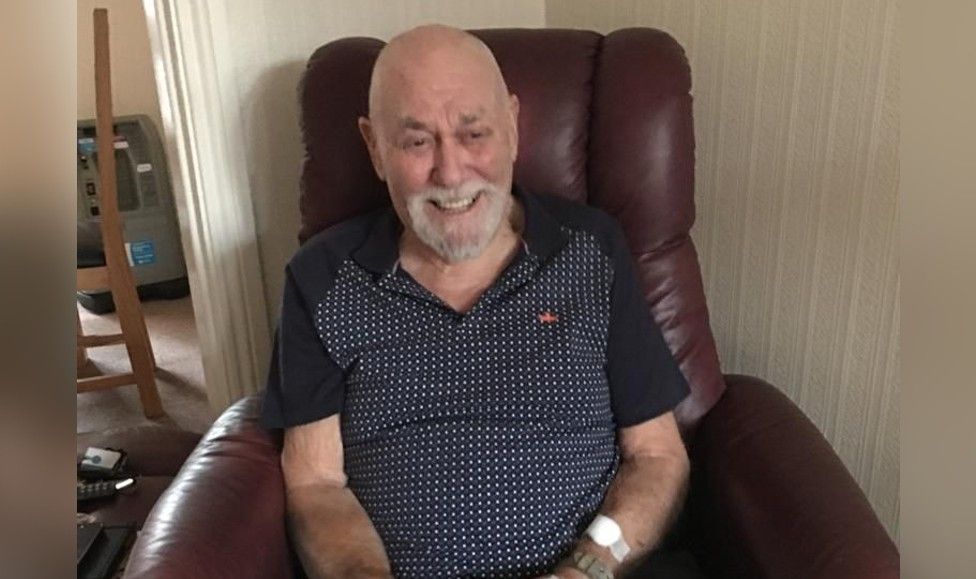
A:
<point x="409" y="122"/>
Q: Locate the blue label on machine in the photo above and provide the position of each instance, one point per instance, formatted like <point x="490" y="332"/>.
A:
<point x="87" y="145"/>
<point x="142" y="252"/>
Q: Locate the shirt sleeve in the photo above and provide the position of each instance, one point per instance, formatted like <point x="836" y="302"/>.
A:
<point x="645" y="381"/>
<point x="304" y="382"/>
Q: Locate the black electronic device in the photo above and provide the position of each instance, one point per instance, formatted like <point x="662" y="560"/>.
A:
<point x="87" y="534"/>
<point x="100" y="489"/>
<point x="101" y="549"/>
<point x="102" y="463"/>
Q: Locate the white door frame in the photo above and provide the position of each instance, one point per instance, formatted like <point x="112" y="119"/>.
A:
<point x="213" y="200"/>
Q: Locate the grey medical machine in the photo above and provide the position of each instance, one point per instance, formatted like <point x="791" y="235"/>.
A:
<point x="149" y="226"/>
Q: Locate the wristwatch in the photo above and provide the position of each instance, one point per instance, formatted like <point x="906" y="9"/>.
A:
<point x="605" y="532"/>
<point x="589" y="564"/>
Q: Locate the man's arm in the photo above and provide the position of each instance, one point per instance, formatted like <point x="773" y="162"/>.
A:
<point x="333" y="534"/>
<point x="646" y="495"/>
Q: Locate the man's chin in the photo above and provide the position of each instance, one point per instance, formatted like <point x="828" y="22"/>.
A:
<point x="458" y="252"/>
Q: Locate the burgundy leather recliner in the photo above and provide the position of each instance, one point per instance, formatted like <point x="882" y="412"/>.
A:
<point x="605" y="120"/>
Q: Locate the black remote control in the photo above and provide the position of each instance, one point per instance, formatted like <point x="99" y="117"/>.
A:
<point x="105" y="488"/>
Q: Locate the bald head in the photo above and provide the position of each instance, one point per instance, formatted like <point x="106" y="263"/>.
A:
<point x="429" y="55"/>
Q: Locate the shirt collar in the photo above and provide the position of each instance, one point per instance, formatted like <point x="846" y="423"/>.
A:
<point x="380" y="252"/>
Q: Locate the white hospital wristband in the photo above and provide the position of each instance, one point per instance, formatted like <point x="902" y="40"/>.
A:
<point x="605" y="532"/>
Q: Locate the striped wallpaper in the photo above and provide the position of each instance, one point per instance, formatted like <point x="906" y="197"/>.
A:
<point x="796" y="111"/>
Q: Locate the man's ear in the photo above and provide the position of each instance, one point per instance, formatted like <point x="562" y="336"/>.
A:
<point x="513" y="109"/>
<point x="369" y="136"/>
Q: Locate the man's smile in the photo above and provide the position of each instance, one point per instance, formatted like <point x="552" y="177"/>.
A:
<point x="456" y="206"/>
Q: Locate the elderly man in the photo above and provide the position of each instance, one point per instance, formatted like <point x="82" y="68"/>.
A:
<point x="469" y="381"/>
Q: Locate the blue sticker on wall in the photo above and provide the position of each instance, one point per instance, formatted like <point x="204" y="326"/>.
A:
<point x="142" y="253"/>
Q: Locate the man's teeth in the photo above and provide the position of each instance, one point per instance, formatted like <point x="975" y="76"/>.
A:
<point x="459" y="204"/>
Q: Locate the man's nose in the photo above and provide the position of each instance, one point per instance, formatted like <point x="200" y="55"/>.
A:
<point x="448" y="170"/>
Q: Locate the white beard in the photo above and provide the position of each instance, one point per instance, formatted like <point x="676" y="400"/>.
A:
<point x="456" y="244"/>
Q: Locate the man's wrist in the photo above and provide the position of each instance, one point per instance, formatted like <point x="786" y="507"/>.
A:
<point x="605" y="532"/>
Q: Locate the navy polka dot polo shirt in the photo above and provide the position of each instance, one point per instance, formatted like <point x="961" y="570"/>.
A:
<point x="479" y="444"/>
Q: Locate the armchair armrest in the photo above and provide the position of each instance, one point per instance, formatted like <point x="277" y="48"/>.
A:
<point x="772" y="499"/>
<point x="224" y="514"/>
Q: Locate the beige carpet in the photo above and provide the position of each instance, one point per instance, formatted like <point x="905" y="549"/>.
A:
<point x="179" y="372"/>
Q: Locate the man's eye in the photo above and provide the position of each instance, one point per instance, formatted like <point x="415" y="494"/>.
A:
<point x="414" y="143"/>
<point x="475" y="135"/>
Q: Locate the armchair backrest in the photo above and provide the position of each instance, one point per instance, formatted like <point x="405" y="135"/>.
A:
<point x="604" y="120"/>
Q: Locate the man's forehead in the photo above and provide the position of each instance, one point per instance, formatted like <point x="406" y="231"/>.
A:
<point x="439" y="80"/>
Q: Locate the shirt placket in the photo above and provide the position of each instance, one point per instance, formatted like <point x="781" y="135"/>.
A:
<point x="513" y="278"/>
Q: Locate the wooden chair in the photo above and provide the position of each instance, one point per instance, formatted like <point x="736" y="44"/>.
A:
<point x="116" y="273"/>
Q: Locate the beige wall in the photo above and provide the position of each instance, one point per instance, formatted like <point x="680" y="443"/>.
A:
<point x="796" y="112"/>
<point x="262" y="46"/>
<point x="133" y="84"/>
